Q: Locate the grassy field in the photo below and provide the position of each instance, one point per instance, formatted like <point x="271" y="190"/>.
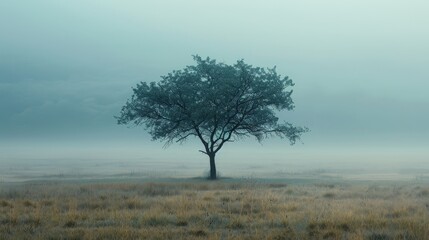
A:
<point x="199" y="209"/>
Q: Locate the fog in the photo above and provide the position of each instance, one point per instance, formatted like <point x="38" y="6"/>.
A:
<point x="67" y="67"/>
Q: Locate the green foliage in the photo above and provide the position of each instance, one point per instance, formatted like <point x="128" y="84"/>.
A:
<point x="214" y="102"/>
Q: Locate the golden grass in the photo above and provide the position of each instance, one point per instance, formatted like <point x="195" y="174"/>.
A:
<point x="214" y="210"/>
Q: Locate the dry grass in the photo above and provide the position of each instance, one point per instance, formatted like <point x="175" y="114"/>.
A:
<point x="214" y="210"/>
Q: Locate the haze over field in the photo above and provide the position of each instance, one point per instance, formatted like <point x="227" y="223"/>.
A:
<point x="360" y="69"/>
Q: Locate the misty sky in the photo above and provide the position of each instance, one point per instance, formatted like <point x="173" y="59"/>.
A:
<point x="360" y="68"/>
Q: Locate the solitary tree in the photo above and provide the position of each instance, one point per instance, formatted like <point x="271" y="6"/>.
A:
<point x="214" y="102"/>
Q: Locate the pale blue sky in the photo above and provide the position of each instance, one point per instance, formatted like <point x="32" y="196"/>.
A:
<point x="360" y="68"/>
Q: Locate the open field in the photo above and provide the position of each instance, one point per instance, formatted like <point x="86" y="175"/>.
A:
<point x="247" y="208"/>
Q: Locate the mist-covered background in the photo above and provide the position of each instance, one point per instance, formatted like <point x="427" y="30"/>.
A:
<point x="360" y="69"/>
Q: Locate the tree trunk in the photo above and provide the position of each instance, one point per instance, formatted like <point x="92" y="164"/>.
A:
<point x="212" y="167"/>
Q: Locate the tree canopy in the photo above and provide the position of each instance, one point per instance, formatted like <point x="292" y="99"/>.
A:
<point x="214" y="102"/>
